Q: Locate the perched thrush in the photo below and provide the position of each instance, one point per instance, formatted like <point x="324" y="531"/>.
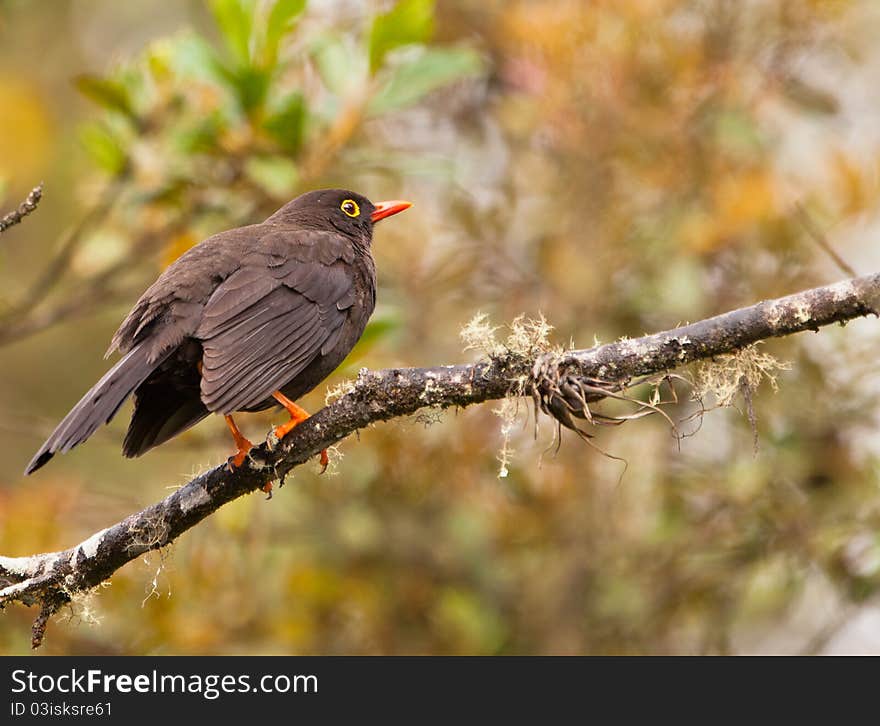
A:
<point x="248" y="319"/>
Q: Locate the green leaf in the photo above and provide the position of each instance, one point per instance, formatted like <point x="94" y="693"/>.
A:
<point x="235" y="18"/>
<point x="286" y="122"/>
<point x="192" y="57"/>
<point x="277" y="175"/>
<point x="410" y="21"/>
<point x="737" y="132"/>
<point x="339" y="64"/>
<point x="433" y="69"/>
<point x="168" y="193"/>
<point x="202" y="137"/>
<point x="158" y="57"/>
<point x="104" y="148"/>
<point x="249" y="84"/>
<point x="281" y="21"/>
<point x="382" y="325"/>
<point x="107" y="93"/>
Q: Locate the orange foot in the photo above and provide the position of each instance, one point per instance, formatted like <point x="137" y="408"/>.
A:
<point x="242" y="445"/>
<point x="297" y="416"/>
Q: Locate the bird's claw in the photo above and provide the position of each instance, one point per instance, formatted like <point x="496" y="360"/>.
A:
<point x="236" y="460"/>
<point x="280" y="477"/>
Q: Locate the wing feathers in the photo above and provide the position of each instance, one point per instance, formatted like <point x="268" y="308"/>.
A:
<point x="233" y="297"/>
<point x="265" y="324"/>
<point x="257" y="382"/>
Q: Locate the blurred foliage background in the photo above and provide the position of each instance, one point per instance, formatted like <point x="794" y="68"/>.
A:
<point x="621" y="167"/>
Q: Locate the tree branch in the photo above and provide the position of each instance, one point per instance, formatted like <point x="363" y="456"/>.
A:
<point x="50" y="580"/>
<point x="24" y="209"/>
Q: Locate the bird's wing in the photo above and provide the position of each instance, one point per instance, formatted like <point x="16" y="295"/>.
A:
<point x="170" y="309"/>
<point x="266" y="322"/>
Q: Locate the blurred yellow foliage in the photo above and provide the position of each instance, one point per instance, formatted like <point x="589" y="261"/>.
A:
<point x="176" y="246"/>
<point x="740" y="203"/>
<point x="27" y="134"/>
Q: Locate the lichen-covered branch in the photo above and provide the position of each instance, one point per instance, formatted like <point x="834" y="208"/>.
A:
<point x="807" y="310"/>
<point x="51" y="580"/>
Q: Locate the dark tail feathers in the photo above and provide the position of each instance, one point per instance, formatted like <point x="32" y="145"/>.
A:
<point x="98" y="406"/>
<point x="160" y="413"/>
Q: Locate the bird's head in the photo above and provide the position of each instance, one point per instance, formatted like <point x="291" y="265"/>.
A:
<point x="341" y="209"/>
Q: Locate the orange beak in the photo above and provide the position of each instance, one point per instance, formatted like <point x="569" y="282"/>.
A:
<point x="386" y="209"/>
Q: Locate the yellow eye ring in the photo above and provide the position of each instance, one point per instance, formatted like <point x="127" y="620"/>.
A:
<point x="351" y="208"/>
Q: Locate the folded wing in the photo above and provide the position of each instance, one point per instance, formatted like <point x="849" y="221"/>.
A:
<point x="266" y="323"/>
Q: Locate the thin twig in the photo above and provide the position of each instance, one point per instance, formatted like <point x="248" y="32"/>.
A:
<point x="820" y="239"/>
<point x="24" y="209"/>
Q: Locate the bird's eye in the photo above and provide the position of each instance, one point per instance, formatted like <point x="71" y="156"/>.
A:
<point x="350" y="207"/>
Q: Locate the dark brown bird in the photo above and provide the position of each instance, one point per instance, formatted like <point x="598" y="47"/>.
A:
<point x="248" y="319"/>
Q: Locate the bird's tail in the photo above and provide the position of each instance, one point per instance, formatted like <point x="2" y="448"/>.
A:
<point x="98" y="406"/>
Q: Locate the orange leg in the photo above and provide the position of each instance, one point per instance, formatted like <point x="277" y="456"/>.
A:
<point x="242" y="445"/>
<point x="297" y="416"/>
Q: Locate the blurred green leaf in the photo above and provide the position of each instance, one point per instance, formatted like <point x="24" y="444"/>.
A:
<point x="277" y="175"/>
<point x="286" y="123"/>
<point x="410" y="21"/>
<point x="378" y="329"/>
<point x="435" y="68"/>
<point x="107" y="93"/>
<point x="104" y="148"/>
<point x="170" y="192"/>
<point x="737" y="132"/>
<point x="381" y="326"/>
<point x="249" y="84"/>
<point x="281" y="21"/>
<point x="472" y="622"/>
<point x="202" y="137"/>
<point x="193" y="57"/>
<point x="158" y="57"/>
<point x="339" y="64"/>
<point x="235" y="18"/>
